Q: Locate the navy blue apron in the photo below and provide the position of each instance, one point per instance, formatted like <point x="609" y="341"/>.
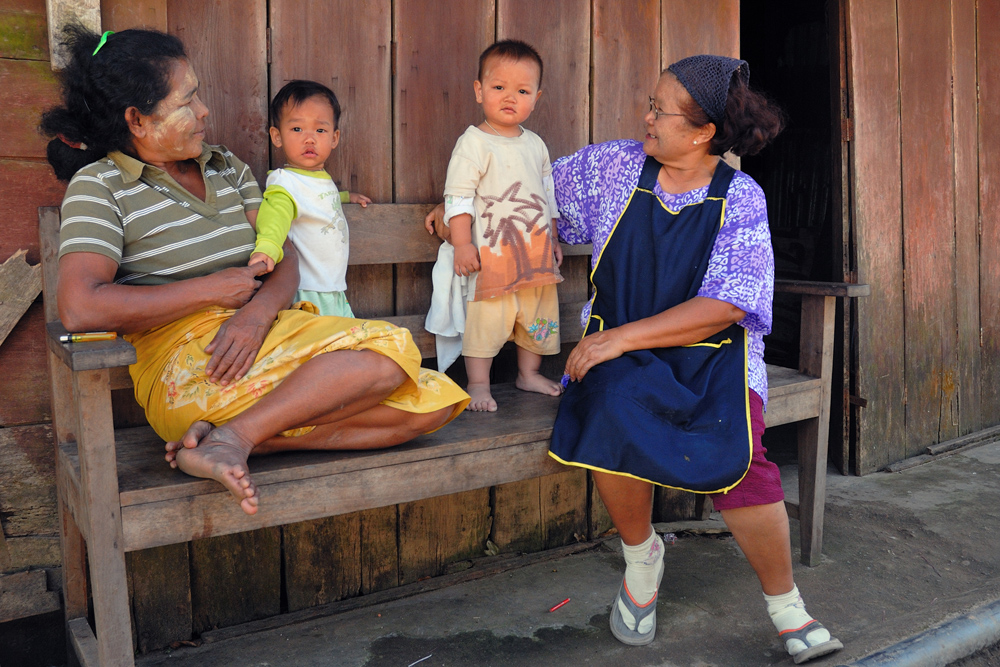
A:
<point x="680" y="416"/>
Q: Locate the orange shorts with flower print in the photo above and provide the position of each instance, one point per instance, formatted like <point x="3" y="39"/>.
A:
<point x="529" y="317"/>
<point x="171" y="385"/>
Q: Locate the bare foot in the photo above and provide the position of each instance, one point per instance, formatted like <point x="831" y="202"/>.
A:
<point x="190" y="440"/>
<point x="217" y="453"/>
<point x="538" y="383"/>
<point x="482" y="399"/>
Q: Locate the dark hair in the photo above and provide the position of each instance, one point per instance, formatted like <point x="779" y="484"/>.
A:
<point x="132" y="69"/>
<point x="751" y="122"/>
<point x="298" y="91"/>
<point x="510" y="49"/>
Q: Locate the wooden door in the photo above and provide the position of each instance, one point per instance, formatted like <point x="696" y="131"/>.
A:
<point x="917" y="193"/>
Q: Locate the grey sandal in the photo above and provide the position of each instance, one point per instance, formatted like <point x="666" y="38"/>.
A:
<point x="620" y="629"/>
<point x="812" y="650"/>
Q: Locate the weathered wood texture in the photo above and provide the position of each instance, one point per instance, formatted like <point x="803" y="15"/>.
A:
<point x="19" y="285"/>
<point x="625" y="66"/>
<point x="872" y="43"/>
<point x="59" y="14"/>
<point x="433" y="96"/>
<point x="235" y="578"/>
<point x="160" y="592"/>
<point x="28" y="497"/>
<point x="30" y="88"/>
<point x="24" y="397"/>
<point x="562" y="114"/>
<point x="928" y="222"/>
<point x="716" y="29"/>
<point x="23" y="32"/>
<point x="120" y="15"/>
<point x="988" y="59"/>
<point x="21" y="203"/>
<point x="921" y="182"/>
<point x="26" y="594"/>
<point x="353" y="58"/>
<point x="965" y="125"/>
<point x="230" y="58"/>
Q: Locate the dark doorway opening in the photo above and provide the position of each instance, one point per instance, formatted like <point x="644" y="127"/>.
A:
<point x="786" y="43"/>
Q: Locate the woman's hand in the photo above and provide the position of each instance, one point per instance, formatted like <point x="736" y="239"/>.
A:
<point x="592" y="350"/>
<point x="236" y="344"/>
<point x="238" y="341"/>
<point x="234" y="287"/>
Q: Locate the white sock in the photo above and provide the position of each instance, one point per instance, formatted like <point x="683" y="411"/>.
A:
<point x="788" y="613"/>
<point x="644" y="568"/>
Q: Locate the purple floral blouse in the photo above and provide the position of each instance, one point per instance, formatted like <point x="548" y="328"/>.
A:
<point x="593" y="186"/>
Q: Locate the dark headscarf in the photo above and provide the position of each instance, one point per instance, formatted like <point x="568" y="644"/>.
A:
<point x="707" y="79"/>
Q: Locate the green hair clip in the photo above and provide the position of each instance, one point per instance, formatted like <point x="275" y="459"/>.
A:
<point x="104" y="39"/>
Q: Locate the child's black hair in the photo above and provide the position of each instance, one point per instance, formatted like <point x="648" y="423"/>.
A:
<point x="511" y="49"/>
<point x="298" y="91"/>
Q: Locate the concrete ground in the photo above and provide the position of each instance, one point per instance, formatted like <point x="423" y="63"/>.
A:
<point x="902" y="553"/>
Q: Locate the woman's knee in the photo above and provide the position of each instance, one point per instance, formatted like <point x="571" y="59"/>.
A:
<point x="429" y="421"/>
<point x="384" y="373"/>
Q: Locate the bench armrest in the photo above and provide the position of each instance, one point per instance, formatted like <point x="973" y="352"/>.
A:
<point x="89" y="356"/>
<point x="821" y="288"/>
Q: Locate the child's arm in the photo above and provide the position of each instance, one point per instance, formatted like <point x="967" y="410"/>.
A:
<point x="466" y="255"/>
<point x="273" y="222"/>
<point x="354" y="198"/>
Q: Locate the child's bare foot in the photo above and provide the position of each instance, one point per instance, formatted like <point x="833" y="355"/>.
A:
<point x="219" y="454"/>
<point x="482" y="399"/>
<point x="538" y="383"/>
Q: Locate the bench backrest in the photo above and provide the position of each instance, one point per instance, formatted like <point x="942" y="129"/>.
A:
<point x="389" y="274"/>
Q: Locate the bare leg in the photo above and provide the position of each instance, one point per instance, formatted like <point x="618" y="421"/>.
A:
<point x="528" y="377"/>
<point x="478" y="370"/>
<point x="327" y="388"/>
<point x="762" y="533"/>
<point x="376" y="428"/>
<point x="630" y="504"/>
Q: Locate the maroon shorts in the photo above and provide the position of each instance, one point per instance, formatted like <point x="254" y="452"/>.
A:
<point x="762" y="483"/>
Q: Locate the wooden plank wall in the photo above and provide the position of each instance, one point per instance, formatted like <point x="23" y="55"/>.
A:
<point x="28" y="515"/>
<point x="916" y="159"/>
<point x="988" y="61"/>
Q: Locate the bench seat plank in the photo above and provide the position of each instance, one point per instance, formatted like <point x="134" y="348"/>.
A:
<point x="161" y="506"/>
<point x="144" y="477"/>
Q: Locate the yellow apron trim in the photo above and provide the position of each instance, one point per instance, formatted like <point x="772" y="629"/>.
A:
<point x="715" y="345"/>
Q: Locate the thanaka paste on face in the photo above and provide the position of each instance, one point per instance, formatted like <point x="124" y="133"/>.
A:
<point x="173" y="131"/>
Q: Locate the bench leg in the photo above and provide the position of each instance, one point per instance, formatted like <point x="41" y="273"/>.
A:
<point x="105" y="541"/>
<point x="812" y="489"/>
<point x="74" y="575"/>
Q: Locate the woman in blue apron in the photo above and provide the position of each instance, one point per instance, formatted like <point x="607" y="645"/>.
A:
<point x="668" y="384"/>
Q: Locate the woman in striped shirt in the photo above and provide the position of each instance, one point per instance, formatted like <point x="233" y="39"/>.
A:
<point x="157" y="228"/>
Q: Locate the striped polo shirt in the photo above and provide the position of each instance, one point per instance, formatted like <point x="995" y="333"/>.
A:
<point x="157" y="231"/>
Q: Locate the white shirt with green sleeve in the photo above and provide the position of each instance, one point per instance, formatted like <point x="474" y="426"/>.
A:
<point x="305" y="206"/>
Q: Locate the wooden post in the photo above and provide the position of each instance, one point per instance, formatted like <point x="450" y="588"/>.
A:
<point x="816" y="359"/>
<point x="99" y="491"/>
<point x="60" y="13"/>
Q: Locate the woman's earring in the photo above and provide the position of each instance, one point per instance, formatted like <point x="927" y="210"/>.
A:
<point x="695" y="142"/>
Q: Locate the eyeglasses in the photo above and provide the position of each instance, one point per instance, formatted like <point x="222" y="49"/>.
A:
<point x="657" y="113"/>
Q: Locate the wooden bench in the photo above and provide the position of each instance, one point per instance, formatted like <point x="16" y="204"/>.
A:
<point x="117" y="495"/>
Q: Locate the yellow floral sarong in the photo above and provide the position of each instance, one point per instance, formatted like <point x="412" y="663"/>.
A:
<point x="171" y="385"/>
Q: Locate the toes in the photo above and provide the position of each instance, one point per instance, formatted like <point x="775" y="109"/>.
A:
<point x="247" y="506"/>
<point x="196" y="433"/>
